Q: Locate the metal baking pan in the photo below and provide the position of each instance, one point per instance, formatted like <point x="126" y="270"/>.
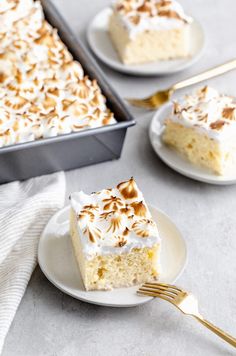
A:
<point x="64" y="152"/>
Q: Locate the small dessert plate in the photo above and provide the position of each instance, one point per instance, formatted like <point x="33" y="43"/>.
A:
<point x="175" y="160"/>
<point x="56" y="259"/>
<point x="100" y="43"/>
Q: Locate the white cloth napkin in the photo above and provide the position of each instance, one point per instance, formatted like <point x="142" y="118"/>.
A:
<point x="25" y="208"/>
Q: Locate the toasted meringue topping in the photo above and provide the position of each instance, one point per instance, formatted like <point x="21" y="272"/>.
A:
<point x="41" y="81"/>
<point x="86" y="214"/>
<point x="115" y="222"/>
<point x="139" y="208"/>
<point x="127" y="210"/>
<point x="109" y="222"/>
<point x="207" y="111"/>
<point x="113" y="203"/>
<point x="91" y="207"/>
<point x="229" y="113"/>
<point x="128" y="189"/>
<point x="141" y="15"/>
<point x="218" y="124"/>
<point x="126" y="232"/>
<point x="143" y="227"/>
<point x="92" y="233"/>
<point x="121" y="241"/>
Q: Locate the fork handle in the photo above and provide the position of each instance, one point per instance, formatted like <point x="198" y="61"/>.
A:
<point x="228" y="338"/>
<point x="214" y="72"/>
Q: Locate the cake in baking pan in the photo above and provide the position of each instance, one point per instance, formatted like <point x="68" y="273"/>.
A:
<point x="149" y="30"/>
<point x="202" y="126"/>
<point x="115" y="240"/>
<point x="43" y="91"/>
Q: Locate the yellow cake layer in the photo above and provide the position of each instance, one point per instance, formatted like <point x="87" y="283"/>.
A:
<point x="200" y="149"/>
<point x="150" y="45"/>
<point x="112" y="271"/>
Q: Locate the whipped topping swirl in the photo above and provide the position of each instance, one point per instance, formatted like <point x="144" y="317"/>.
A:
<point x="146" y="15"/>
<point x="114" y="221"/>
<point x="43" y="91"/>
<point x="208" y="111"/>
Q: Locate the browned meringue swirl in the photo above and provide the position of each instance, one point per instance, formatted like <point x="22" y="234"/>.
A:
<point x="93" y="233"/>
<point x="139" y="208"/>
<point x="128" y="189"/>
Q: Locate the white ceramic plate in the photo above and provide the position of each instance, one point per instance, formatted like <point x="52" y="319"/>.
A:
<point x="176" y="161"/>
<point x="56" y="259"/>
<point x="100" y="43"/>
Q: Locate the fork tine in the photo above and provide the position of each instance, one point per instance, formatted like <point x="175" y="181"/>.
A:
<point x="150" y="294"/>
<point x="138" y="101"/>
<point x="163" y="285"/>
<point x="160" y="287"/>
<point x="142" y="103"/>
<point x="159" y="291"/>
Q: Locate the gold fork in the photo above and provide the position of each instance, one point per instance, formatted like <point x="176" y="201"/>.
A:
<point x="161" y="97"/>
<point x="185" y="302"/>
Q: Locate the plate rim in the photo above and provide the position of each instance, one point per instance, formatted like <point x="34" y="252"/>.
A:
<point x="145" y="299"/>
<point x="122" y="68"/>
<point x="200" y="176"/>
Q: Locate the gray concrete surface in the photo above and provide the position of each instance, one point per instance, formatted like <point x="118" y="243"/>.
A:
<point x="51" y="323"/>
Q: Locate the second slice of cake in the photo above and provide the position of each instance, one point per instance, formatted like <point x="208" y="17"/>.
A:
<point x="115" y="240"/>
<point x="149" y="30"/>
<point x="202" y="126"/>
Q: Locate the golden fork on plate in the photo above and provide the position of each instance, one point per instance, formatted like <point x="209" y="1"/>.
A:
<point x="161" y="97"/>
<point x="185" y="302"/>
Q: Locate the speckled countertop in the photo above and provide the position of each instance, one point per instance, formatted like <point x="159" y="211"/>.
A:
<point x="51" y="323"/>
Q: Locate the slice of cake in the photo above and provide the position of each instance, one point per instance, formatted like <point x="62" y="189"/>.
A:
<point x="202" y="126"/>
<point x="115" y="240"/>
<point x="149" y="30"/>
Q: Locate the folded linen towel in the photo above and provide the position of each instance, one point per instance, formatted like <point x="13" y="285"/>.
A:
<point x="25" y="208"/>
